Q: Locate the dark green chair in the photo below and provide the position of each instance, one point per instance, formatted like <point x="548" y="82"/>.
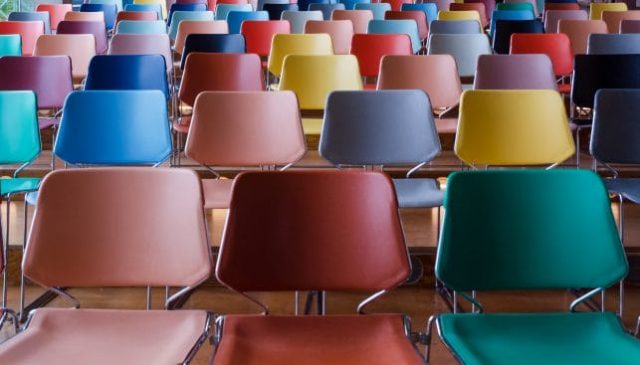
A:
<point x="531" y="230"/>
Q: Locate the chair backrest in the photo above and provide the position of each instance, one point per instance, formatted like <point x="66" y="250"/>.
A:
<point x="478" y="7"/>
<point x="305" y="4"/>
<point x="136" y="15"/>
<point x="299" y="18"/>
<point x="275" y="10"/>
<point x="416" y="15"/>
<point x="117" y="3"/>
<point x="615" y="126"/>
<point x="312" y="78"/>
<point x="29" y="32"/>
<point x="350" y="4"/>
<point x="508" y="15"/>
<point x="557" y="46"/>
<point x="430" y="10"/>
<point x="78" y="16"/>
<point x="465" y="49"/>
<point x="596" y="9"/>
<point x="162" y="3"/>
<point x="96" y="29"/>
<point x="188" y="27"/>
<point x="553" y="17"/>
<point x="79" y="47"/>
<point x="220" y="72"/>
<point x="377" y="9"/>
<point x="513" y="127"/>
<point x="578" y="32"/>
<point x="326" y="9"/>
<point x="19" y="132"/>
<point x="56" y="12"/>
<point x="261" y="3"/>
<point x="42" y="16"/>
<point x="442" y="5"/>
<point x="614" y="18"/>
<point x="184" y="7"/>
<point x="459" y="15"/>
<point x="259" y="35"/>
<point x="296" y="44"/>
<point x="537" y="223"/>
<point x="141" y="27"/>
<point x="506" y="28"/>
<point x="212" y="43"/>
<point x="222" y="10"/>
<point x="145" y="7"/>
<point x="489" y="6"/>
<point x="261" y="251"/>
<point x="359" y="18"/>
<point x="630" y="26"/>
<point x="10" y="45"/>
<point x="236" y="18"/>
<point x="371" y="48"/>
<point x="93" y="241"/>
<point x="408" y="27"/>
<point x="523" y="71"/>
<point x="561" y="6"/>
<point x="396" y="5"/>
<point x="517" y="6"/>
<point x="108" y="10"/>
<point x="245" y="129"/>
<point x="385" y="127"/>
<point x="143" y="44"/>
<point x="179" y="16"/>
<point x="614" y="44"/>
<point x="340" y="31"/>
<point x="595" y="72"/>
<point x="48" y="76"/>
<point x="454" y="27"/>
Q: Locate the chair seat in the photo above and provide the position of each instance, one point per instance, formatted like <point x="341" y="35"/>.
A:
<point x="46" y="122"/>
<point x="629" y="188"/>
<point x="312" y="126"/>
<point x="217" y="193"/>
<point x="446" y="125"/>
<point x="18" y="185"/>
<point x="418" y="193"/>
<point x="564" y="88"/>
<point x="315" y="340"/>
<point x="91" y="336"/>
<point x="545" y="338"/>
<point x="182" y="125"/>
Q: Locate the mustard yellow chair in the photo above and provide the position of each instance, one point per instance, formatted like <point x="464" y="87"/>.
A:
<point x="162" y="3"/>
<point x="596" y="9"/>
<point x="296" y="44"/>
<point x="513" y="128"/>
<point x="459" y="15"/>
<point x="312" y="78"/>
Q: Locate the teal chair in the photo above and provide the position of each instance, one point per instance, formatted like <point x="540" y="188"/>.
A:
<point x="222" y="10"/>
<point x="509" y="15"/>
<point x="179" y="16"/>
<point x="378" y="9"/>
<point x="145" y="7"/>
<point x="10" y="45"/>
<point x="350" y="4"/>
<point x="531" y="230"/>
<point x="516" y="6"/>
<point x="429" y="9"/>
<point x="141" y="27"/>
<point x="408" y="27"/>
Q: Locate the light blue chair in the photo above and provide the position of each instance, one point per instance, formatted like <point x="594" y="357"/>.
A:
<point x="32" y="16"/>
<point x="145" y="7"/>
<point x="378" y="9"/>
<point x="298" y="19"/>
<point x="10" y="45"/>
<point x="235" y="18"/>
<point x="430" y="10"/>
<point x="408" y="27"/>
<point x="350" y="4"/>
<point x="141" y="27"/>
<point x="326" y="9"/>
<point x="508" y="15"/>
<point x="184" y="7"/>
<point x="179" y="16"/>
<point x="222" y="10"/>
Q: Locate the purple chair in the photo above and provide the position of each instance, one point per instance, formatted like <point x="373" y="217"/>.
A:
<point x="522" y="71"/>
<point x="86" y="27"/>
<point x="630" y="26"/>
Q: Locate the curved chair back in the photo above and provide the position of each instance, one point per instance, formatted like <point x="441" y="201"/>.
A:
<point x="371" y="48"/>
<point x="305" y="4"/>
<point x="145" y="7"/>
<point x="506" y="28"/>
<point x="97" y="29"/>
<point x="258" y="35"/>
<point x="408" y="27"/>
<point x="596" y="9"/>
<point x="377" y="9"/>
<point x="141" y="27"/>
<point x="553" y="17"/>
<point x="489" y="6"/>
<point x="138" y="44"/>
<point x="275" y="10"/>
<point x="630" y="26"/>
<point x="29" y="32"/>
<point x="56" y="12"/>
<point x="299" y="18"/>
<point x="79" y="47"/>
<point x="162" y="3"/>
<point x="478" y="7"/>
<point x="396" y="4"/>
<point x="416" y="15"/>
<point x="42" y="16"/>
<point x="548" y="6"/>
<point x="359" y="18"/>
<point x="261" y="3"/>
<point x="454" y="27"/>
<point x="623" y="72"/>
<point x="184" y="7"/>
<point x="19" y="132"/>
<point x="350" y="4"/>
<point x="10" y="45"/>
<point x="179" y="16"/>
<point x="78" y="16"/>
<point x="430" y="10"/>
<point x="340" y="31"/>
<point x="556" y="46"/>
<point x="326" y="9"/>
<point x="136" y="15"/>
<point x="616" y="127"/>
<point x="109" y="12"/>
<point x="614" y="44"/>
<point x="614" y="18"/>
<point x="212" y="43"/>
<point x="578" y="32"/>
<point x="460" y="15"/>
<point x="465" y="49"/>
<point x="222" y="10"/>
<point x="508" y="15"/>
<point x="236" y="18"/>
<point x="528" y="6"/>
<point x="508" y="72"/>
<point x="188" y="27"/>
<point x="296" y="44"/>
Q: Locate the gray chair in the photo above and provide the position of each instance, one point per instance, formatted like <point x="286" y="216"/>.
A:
<point x="509" y="72"/>
<point x="613" y="44"/>
<point x="42" y="16"/>
<point x="326" y="9"/>
<point x="454" y="27"/>
<point x="299" y="18"/>
<point x="465" y="48"/>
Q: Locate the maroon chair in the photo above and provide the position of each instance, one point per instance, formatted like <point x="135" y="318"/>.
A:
<point x="85" y="27"/>
<point x="630" y="26"/>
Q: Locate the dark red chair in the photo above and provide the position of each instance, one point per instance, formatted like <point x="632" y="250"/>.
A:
<point x="87" y="27"/>
<point x="370" y="48"/>
<point x="418" y="15"/>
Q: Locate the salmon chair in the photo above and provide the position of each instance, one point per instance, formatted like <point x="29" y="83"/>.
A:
<point x="359" y="18"/>
<point x="370" y="49"/>
<point x="29" y="33"/>
<point x="224" y="132"/>
<point x="91" y="241"/>
<point x="334" y="230"/>
<point x="56" y="12"/>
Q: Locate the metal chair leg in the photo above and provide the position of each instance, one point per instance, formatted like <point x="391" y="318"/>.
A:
<point x="22" y="278"/>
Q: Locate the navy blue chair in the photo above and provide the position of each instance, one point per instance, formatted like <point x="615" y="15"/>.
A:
<point x="303" y="5"/>
<point x="184" y="7"/>
<point x="505" y="28"/>
<point x="275" y="10"/>
<point x="212" y="43"/>
<point x="110" y="11"/>
<point x="326" y="9"/>
<point x="235" y="19"/>
<point x="42" y="16"/>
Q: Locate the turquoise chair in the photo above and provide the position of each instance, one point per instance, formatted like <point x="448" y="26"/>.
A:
<point x="222" y="10"/>
<point x="378" y="9"/>
<point x="408" y="27"/>
<point x="145" y="7"/>
<point x="516" y="6"/>
<point x="429" y="9"/>
<point x="235" y="19"/>
<point x="351" y="4"/>
<point x="531" y="230"/>
<point x="141" y="27"/>
<point x="179" y="16"/>
<point x="10" y="45"/>
<point x="509" y="15"/>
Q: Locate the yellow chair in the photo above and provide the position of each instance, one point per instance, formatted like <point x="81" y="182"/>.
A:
<point x="513" y="128"/>
<point x="459" y="15"/>
<point x="163" y="5"/>
<point x="596" y="9"/>
<point x="312" y="78"/>
<point x="296" y="44"/>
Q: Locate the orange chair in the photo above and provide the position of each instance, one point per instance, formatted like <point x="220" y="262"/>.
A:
<point x="341" y="32"/>
<point x="561" y="6"/>
<point x="56" y="12"/>
<point x="578" y="32"/>
<point x="187" y="27"/>
<point x="437" y="75"/>
<point x="29" y="32"/>
<point x="106" y="237"/>
<point x="359" y="18"/>
<point x="614" y="18"/>
<point x="371" y="48"/>
<point x="479" y="7"/>
<point x="136" y="15"/>
<point x="79" y="47"/>
<point x="258" y="34"/>
<point x="243" y="129"/>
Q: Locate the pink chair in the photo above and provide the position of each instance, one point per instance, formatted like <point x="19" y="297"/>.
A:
<point x="359" y="18"/>
<point x="29" y="32"/>
<point x="341" y="32"/>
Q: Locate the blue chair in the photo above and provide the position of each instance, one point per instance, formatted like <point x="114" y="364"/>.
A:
<point x="235" y="19"/>
<point x="303" y="5"/>
<point x="327" y="9"/>
<point x="32" y="16"/>
<point x="261" y="3"/>
<point x="117" y="3"/>
<point x="184" y="7"/>
<point x="275" y="10"/>
<point x="351" y="4"/>
<point x="10" y="45"/>
<point x="141" y="27"/>
<point x="179" y="16"/>
<point x="378" y="9"/>
<point x="109" y="11"/>
<point x="408" y="27"/>
<point x="212" y="43"/>
<point x="508" y="15"/>
<point x="222" y="10"/>
<point x="430" y="10"/>
<point x="144" y="7"/>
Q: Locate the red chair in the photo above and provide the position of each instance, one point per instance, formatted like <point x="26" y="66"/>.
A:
<point x="258" y="35"/>
<point x="555" y="45"/>
<point x="29" y="32"/>
<point x="56" y="12"/>
<point x="418" y="15"/>
<point x="371" y="48"/>
<point x="334" y="231"/>
<point x="561" y="6"/>
<point x="396" y="5"/>
<point x="479" y="7"/>
<point x="136" y="15"/>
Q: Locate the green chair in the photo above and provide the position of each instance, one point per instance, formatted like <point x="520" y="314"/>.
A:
<point x="531" y="230"/>
<point x="10" y="45"/>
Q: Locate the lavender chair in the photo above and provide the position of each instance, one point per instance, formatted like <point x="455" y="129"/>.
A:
<point x="86" y="27"/>
<point x="522" y="71"/>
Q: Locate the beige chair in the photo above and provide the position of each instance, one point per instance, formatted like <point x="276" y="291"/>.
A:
<point x="85" y="16"/>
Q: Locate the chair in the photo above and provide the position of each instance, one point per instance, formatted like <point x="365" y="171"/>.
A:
<point x="377" y="9"/>
<point x="56" y="12"/>
<point x="578" y="32"/>
<point x="224" y="132"/>
<point x="489" y="6"/>
<point x="359" y="18"/>
<point x="136" y="15"/>
<point x="350" y="4"/>
<point x="513" y="127"/>
<point x="222" y="10"/>
<point x="508" y="15"/>
<point x="145" y="7"/>
<point x="506" y="28"/>
<point x="163" y="5"/>
<point x="396" y="4"/>
<point x="143" y="44"/>
<point x="465" y="49"/>
<point x="108" y="10"/>
<point x="299" y="18"/>
<point x="370" y="49"/>
<point x="212" y="43"/>
<point x="408" y="27"/>
<point x="261" y="3"/>
<point x="313" y="78"/>
<point x="430" y="10"/>
<point x="509" y="72"/>
<point x="79" y="47"/>
<point x="454" y="27"/>
<point x="442" y="5"/>
<point x="460" y="15"/>
<point x="535" y="5"/>
<point x="528" y="6"/>
<point x="614" y="44"/>
<point x="596" y="9"/>
<point x="552" y="18"/>
<point x="258" y="35"/>
<point x="561" y="6"/>
<point x="141" y="27"/>
<point x="614" y="18"/>
<point x="86" y="235"/>
<point x="416" y="15"/>
<point x="236" y="18"/>
<point x="118" y="3"/>
<point x="92" y="16"/>
<point x="10" y="45"/>
<point x="322" y="264"/>
<point x="28" y="31"/>
<point x="275" y="10"/>
<point x="478" y="7"/>
<point x="96" y="29"/>
<point x="42" y="16"/>
<point x="184" y="7"/>
<point x="476" y="239"/>
<point x="305" y="4"/>
<point x="326" y="9"/>
<point x="340" y="31"/>
<point x="188" y="27"/>
<point x="630" y="26"/>
<point x="179" y="16"/>
<point x="296" y="44"/>
<point x="437" y="75"/>
<point x="386" y="127"/>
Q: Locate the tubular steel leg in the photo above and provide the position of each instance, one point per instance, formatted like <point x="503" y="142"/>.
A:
<point x="621" y="229"/>
<point x="22" y="278"/>
<point x="5" y="250"/>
